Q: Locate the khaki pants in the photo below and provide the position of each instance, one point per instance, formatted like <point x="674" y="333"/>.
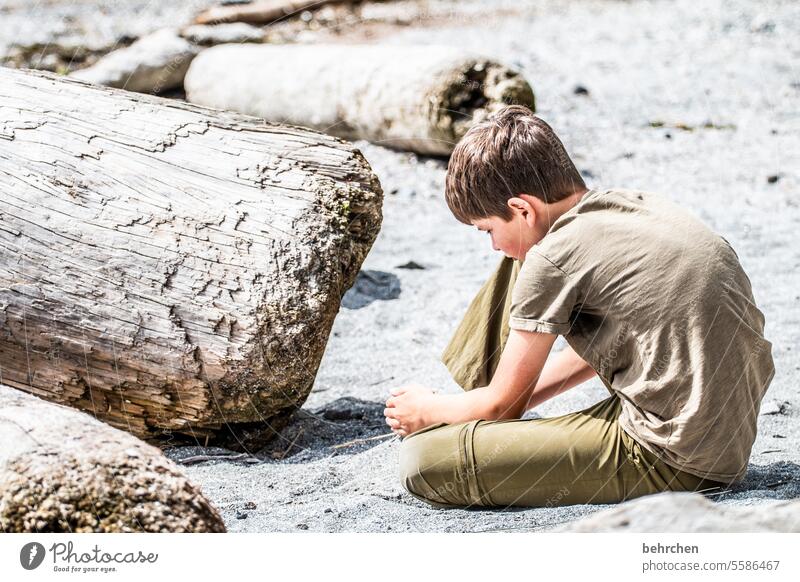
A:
<point x="581" y="457"/>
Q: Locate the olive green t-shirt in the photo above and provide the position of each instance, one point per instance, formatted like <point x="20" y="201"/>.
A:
<point x="661" y="308"/>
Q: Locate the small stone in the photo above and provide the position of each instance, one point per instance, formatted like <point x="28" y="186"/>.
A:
<point x="302" y="526"/>
<point x="774" y="407"/>
<point x="773" y="178"/>
<point x="771" y="407"/>
<point x="50" y="62"/>
<point x="403" y="191"/>
<point x="241" y="515"/>
<point x="250" y="505"/>
<point x="410" y="265"/>
<point x="580" y="90"/>
<point x="762" y="24"/>
<point x="370" y="286"/>
<point x="328" y="510"/>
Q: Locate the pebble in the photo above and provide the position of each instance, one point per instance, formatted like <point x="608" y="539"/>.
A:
<point x="775" y="407"/>
<point x="410" y="265"/>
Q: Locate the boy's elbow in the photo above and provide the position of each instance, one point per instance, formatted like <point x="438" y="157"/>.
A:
<point x="502" y="410"/>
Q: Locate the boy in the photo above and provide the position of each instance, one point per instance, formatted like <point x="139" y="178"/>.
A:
<point x="647" y="297"/>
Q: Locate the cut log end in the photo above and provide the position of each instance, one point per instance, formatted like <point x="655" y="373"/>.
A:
<point x="417" y="98"/>
<point x="473" y="93"/>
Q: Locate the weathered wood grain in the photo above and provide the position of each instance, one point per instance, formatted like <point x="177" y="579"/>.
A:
<point x="166" y="266"/>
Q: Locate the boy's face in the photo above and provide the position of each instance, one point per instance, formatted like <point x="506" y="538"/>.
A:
<point x="513" y="238"/>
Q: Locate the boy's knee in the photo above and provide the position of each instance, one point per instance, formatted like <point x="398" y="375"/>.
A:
<point x="412" y="465"/>
<point x="429" y="470"/>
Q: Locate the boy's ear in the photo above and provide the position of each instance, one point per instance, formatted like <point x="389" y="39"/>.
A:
<point x="519" y="204"/>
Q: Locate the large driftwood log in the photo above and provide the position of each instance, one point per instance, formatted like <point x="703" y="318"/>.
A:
<point x="63" y="471"/>
<point x="165" y="266"/>
<point x="420" y="98"/>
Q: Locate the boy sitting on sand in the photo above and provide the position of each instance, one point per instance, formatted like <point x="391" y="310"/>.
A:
<point x="647" y="297"/>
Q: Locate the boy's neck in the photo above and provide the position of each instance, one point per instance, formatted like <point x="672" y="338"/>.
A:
<point x="554" y="210"/>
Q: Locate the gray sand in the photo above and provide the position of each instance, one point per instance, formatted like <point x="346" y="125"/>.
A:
<point x="656" y="74"/>
<point x="643" y="63"/>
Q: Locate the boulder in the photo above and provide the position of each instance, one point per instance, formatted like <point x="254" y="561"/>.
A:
<point x="62" y="470"/>
<point x="690" y="513"/>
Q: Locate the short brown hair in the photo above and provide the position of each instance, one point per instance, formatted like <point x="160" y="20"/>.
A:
<point x="513" y="152"/>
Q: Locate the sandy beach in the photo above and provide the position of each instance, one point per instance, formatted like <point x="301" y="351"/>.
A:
<point x="695" y="100"/>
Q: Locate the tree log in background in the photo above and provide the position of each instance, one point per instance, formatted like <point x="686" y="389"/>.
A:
<point x="63" y="471"/>
<point x="420" y="98"/>
<point x="170" y="267"/>
<point x="153" y="64"/>
<point x="261" y="11"/>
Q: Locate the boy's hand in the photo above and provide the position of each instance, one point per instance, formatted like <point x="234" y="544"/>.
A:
<point x="408" y="409"/>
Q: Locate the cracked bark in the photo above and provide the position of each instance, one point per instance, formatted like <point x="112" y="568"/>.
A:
<point x="169" y="267"/>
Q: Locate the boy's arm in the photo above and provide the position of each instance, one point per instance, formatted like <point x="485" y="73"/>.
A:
<point x="511" y="389"/>
<point x="563" y="371"/>
<point x="521" y="381"/>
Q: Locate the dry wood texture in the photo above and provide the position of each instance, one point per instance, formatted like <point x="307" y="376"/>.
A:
<point x="165" y="266"/>
<point x="418" y="98"/>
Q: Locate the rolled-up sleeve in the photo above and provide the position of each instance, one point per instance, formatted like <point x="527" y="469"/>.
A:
<point x="543" y="297"/>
